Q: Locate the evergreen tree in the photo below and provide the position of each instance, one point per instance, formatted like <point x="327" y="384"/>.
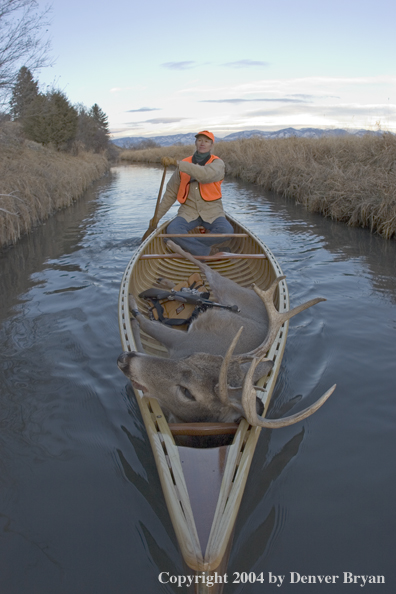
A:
<point x="34" y="122"/>
<point x="102" y="128"/>
<point x="51" y="119"/>
<point x="86" y="129"/>
<point x="100" y="118"/>
<point x="63" y="119"/>
<point x="93" y="128"/>
<point x="24" y="91"/>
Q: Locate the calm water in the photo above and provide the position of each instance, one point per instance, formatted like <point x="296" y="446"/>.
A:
<point x="81" y="509"/>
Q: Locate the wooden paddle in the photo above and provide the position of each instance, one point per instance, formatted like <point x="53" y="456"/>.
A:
<point x="153" y="227"/>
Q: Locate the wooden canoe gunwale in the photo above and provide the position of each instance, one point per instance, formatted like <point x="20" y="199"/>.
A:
<point x="162" y="442"/>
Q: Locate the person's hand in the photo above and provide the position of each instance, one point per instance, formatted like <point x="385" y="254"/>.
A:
<point x="166" y="161"/>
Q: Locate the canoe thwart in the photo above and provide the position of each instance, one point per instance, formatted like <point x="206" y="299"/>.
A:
<point x="203" y="428"/>
<point x="219" y="256"/>
<point x="202" y="235"/>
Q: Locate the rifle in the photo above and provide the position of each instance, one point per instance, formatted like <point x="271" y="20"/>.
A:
<point x="186" y="295"/>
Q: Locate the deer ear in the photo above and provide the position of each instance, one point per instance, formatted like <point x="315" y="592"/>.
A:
<point x="262" y="369"/>
<point x="236" y="405"/>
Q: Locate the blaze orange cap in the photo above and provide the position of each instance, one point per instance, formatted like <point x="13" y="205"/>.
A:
<point x="206" y="133"/>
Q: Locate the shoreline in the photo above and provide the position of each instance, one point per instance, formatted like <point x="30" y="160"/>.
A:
<point x="349" y="179"/>
<point x="37" y="181"/>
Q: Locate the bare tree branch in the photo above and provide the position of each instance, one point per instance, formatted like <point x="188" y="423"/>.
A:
<point x="24" y="40"/>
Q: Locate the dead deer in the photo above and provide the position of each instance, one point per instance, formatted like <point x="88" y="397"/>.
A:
<point x="212" y="368"/>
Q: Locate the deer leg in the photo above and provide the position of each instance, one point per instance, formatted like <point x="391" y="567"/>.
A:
<point x="164" y="334"/>
<point x="224" y="290"/>
<point x="136" y="336"/>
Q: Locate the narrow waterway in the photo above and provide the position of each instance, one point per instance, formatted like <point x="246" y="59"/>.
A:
<point x="81" y="508"/>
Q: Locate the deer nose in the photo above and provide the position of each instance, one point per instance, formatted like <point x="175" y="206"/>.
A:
<point x="124" y="358"/>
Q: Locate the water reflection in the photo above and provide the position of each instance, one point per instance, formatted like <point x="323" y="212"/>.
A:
<point x="60" y="235"/>
<point x="252" y="531"/>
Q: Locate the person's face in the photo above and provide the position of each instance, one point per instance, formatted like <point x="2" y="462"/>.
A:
<point x="203" y="144"/>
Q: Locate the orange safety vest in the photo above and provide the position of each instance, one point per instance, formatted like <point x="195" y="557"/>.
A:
<point x="209" y="192"/>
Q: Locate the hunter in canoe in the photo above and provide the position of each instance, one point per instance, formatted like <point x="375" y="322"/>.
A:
<point x="196" y="184"/>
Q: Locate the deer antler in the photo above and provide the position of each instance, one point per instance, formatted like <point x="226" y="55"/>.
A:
<point x="249" y="394"/>
<point x="275" y="318"/>
<point x="249" y="404"/>
<point x="222" y="386"/>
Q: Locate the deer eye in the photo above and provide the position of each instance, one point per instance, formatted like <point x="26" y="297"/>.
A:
<point x="186" y="392"/>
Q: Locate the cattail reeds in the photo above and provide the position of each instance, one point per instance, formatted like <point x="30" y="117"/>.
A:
<point x="348" y="178"/>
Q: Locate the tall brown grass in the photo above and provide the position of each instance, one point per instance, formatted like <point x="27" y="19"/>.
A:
<point x="350" y="179"/>
<point x="36" y="181"/>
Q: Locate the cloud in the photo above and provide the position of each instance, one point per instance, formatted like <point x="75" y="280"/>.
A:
<point x="143" y="109"/>
<point x="346" y="110"/>
<point x="311" y="97"/>
<point x="118" y="131"/>
<point x="276" y="100"/>
<point x="163" y="120"/>
<point x="315" y="86"/>
<point x="246" y="64"/>
<point x="179" y="65"/>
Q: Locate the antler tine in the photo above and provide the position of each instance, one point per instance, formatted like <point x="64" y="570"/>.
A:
<point x="276" y="319"/>
<point x="249" y="404"/>
<point x="268" y="294"/>
<point x="222" y="385"/>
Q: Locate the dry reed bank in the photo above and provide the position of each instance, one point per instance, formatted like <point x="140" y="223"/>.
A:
<point x="36" y="181"/>
<point x="350" y="179"/>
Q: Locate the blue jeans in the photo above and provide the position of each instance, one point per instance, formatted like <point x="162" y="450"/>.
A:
<point x="199" y="246"/>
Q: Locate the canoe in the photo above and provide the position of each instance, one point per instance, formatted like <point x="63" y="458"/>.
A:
<point x="202" y="486"/>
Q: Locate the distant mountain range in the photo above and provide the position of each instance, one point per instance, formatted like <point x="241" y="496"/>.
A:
<point x="184" y="139"/>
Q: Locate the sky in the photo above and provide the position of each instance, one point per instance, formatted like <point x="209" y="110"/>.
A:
<point x="169" y="67"/>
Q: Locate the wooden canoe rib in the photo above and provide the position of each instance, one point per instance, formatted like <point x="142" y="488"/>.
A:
<point x="203" y="520"/>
